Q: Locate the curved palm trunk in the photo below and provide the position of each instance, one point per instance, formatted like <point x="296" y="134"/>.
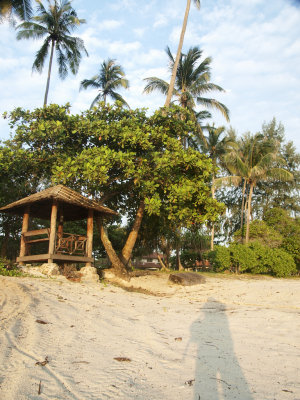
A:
<point x="49" y="74"/>
<point x="174" y="71"/>
<point x="249" y="212"/>
<point x="130" y="242"/>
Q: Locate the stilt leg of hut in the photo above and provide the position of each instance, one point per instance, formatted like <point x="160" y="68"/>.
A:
<point x="89" y="235"/>
<point x="89" y="273"/>
<point x="24" y="230"/>
<point x="52" y="231"/>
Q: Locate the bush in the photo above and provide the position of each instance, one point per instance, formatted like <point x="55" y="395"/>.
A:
<point x="7" y="270"/>
<point x="219" y="258"/>
<point x="242" y="258"/>
<point x="254" y="258"/>
<point x="259" y="230"/>
<point x="279" y="263"/>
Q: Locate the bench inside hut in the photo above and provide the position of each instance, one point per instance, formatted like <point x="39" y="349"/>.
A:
<point x="57" y="204"/>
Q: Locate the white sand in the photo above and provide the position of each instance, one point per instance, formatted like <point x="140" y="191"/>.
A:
<point x="227" y="339"/>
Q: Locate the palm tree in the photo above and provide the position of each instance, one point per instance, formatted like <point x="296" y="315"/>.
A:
<point x="215" y="146"/>
<point x="192" y="81"/>
<point x="19" y="8"/>
<point x="178" y="55"/>
<point x="111" y="77"/>
<point x="55" y="25"/>
<point x="255" y="160"/>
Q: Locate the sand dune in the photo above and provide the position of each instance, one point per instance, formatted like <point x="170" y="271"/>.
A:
<point x="226" y="339"/>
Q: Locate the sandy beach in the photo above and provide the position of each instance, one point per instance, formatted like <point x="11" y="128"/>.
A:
<point x="229" y="338"/>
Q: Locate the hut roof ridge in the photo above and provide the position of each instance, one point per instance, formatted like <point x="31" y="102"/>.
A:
<point x="60" y="193"/>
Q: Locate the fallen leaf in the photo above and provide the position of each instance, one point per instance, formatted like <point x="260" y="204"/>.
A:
<point x="42" y="363"/>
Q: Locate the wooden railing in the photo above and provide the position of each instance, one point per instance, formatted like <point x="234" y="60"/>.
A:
<point x="68" y="243"/>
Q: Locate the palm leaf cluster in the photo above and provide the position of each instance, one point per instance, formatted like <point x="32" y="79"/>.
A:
<point x="111" y="77"/>
<point x="191" y="84"/>
<point x="15" y="8"/>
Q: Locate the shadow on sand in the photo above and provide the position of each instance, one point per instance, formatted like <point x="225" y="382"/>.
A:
<point x="218" y="374"/>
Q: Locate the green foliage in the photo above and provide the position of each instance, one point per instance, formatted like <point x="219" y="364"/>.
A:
<point x="219" y="258"/>
<point x="7" y="270"/>
<point x="260" y="231"/>
<point x="122" y="157"/>
<point x="273" y="261"/>
<point x="280" y="220"/>
<point x="253" y="258"/>
<point x="242" y="258"/>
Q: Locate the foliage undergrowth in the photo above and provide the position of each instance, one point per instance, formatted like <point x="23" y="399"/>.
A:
<point x="254" y="258"/>
<point x="8" y="270"/>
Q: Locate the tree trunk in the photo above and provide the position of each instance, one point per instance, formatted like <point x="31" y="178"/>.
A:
<point x="49" y="74"/>
<point x="163" y="266"/>
<point x="213" y="225"/>
<point x="5" y="240"/>
<point x="174" y="71"/>
<point x="117" y="264"/>
<point x="165" y="246"/>
<point x="130" y="242"/>
<point x="249" y="212"/>
<point x="242" y="211"/>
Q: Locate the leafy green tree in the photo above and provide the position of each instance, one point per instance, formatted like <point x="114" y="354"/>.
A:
<point x="179" y="49"/>
<point x="133" y="163"/>
<point x="192" y="82"/>
<point x="55" y="25"/>
<point x="9" y="9"/>
<point x="284" y="194"/>
<point x="17" y="180"/>
<point x="110" y="78"/>
<point x="288" y="227"/>
<point x="261" y="232"/>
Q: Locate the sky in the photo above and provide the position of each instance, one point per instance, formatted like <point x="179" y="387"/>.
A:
<point x="254" y="44"/>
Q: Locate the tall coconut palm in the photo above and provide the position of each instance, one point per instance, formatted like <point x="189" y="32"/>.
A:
<point x="255" y="160"/>
<point x="178" y="54"/>
<point x="110" y="78"/>
<point x="55" y="25"/>
<point x="192" y="81"/>
<point x="15" y="8"/>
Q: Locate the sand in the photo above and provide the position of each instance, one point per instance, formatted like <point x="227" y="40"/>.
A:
<point x="230" y="338"/>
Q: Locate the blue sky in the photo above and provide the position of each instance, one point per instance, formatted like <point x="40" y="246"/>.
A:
<point x="255" y="46"/>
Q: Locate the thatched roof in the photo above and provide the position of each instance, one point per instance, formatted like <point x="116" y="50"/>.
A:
<point x="71" y="204"/>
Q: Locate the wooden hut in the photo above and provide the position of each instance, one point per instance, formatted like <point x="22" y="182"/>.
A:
<point x="57" y="204"/>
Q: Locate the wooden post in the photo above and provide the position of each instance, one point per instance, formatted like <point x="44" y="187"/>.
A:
<point x="89" y="234"/>
<point x="24" y="230"/>
<point x="52" y="230"/>
<point x="60" y="228"/>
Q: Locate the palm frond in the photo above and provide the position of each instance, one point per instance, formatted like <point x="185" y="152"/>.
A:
<point x="156" y="84"/>
<point x="212" y="103"/>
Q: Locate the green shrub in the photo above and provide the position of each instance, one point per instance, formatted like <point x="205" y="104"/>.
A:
<point x="254" y="258"/>
<point x="7" y="270"/>
<point x="219" y="258"/>
<point x="242" y="258"/>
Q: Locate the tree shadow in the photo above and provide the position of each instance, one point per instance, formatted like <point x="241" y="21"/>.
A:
<point x="218" y="374"/>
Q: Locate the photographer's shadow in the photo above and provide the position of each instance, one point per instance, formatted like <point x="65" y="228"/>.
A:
<point x="218" y="374"/>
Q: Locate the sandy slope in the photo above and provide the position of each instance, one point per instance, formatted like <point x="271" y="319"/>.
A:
<point x="227" y="339"/>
